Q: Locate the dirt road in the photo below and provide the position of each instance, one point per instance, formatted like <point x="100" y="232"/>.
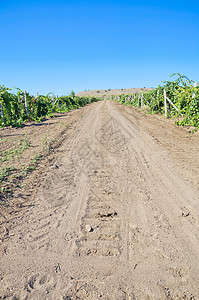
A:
<point x="116" y="215"/>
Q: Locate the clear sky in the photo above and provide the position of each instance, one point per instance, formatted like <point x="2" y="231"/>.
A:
<point x="59" y="46"/>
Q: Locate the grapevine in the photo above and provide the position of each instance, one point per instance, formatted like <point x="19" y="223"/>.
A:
<point x="183" y="94"/>
<point x="13" y="110"/>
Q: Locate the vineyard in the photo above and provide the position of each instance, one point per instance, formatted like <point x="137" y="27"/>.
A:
<point x="15" y="109"/>
<point x="177" y="99"/>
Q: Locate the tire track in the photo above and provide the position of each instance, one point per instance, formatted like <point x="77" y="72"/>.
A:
<point x="112" y="220"/>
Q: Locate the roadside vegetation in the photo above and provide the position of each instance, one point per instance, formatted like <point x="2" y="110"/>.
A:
<point x="11" y="172"/>
<point x="15" y="109"/>
<point x="183" y="94"/>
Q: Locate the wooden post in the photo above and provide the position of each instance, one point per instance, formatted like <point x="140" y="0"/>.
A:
<point x="36" y="97"/>
<point x="141" y="100"/>
<point x="195" y="85"/>
<point x="165" y="103"/>
<point x="26" y="106"/>
<point x="172" y="103"/>
<point x="58" y="100"/>
<point x="1" y="107"/>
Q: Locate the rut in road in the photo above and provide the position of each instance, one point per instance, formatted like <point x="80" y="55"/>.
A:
<point x="114" y="220"/>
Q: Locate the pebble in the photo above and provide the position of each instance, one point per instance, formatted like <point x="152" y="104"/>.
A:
<point x="89" y="228"/>
<point x="185" y="214"/>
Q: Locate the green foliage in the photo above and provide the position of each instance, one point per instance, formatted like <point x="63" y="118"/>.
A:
<point x="45" y="143"/>
<point x="181" y="92"/>
<point x="5" y="171"/>
<point x="13" y="110"/>
<point x="72" y="94"/>
<point x="15" y="151"/>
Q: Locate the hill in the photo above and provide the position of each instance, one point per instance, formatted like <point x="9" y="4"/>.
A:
<point x="110" y="92"/>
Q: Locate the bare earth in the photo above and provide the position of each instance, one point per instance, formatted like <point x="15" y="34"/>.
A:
<point x="110" y="92"/>
<point x="114" y="215"/>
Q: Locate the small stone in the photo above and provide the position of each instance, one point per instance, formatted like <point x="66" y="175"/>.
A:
<point x="89" y="228"/>
<point x="185" y="214"/>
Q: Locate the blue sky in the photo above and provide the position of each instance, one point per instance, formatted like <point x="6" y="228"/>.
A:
<point x="59" y="46"/>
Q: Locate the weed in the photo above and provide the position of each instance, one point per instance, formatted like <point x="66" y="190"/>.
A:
<point x="25" y="143"/>
<point x="4" y="172"/>
<point x="62" y="124"/>
<point x="28" y="170"/>
<point x="45" y="145"/>
<point x="10" y="154"/>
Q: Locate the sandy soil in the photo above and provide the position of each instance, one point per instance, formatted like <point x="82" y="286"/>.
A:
<point x="115" y="214"/>
<point x="44" y="139"/>
<point x="110" y="92"/>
